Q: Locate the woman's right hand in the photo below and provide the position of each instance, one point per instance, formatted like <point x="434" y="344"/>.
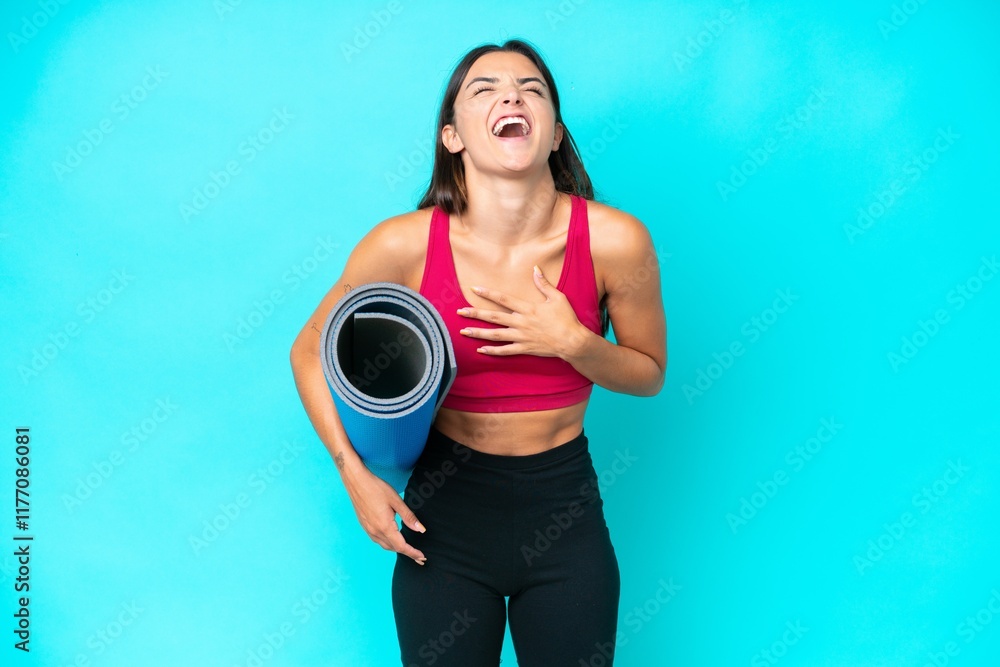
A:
<point x="376" y="503"/>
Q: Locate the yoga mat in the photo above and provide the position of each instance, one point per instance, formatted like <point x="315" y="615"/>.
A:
<point x="389" y="363"/>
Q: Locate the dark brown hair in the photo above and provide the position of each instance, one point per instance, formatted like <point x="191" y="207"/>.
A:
<point x="447" y="186"/>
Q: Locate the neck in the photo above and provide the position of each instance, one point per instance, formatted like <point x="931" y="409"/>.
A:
<point x="506" y="211"/>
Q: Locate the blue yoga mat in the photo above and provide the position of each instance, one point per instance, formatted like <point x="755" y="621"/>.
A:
<point x="389" y="363"/>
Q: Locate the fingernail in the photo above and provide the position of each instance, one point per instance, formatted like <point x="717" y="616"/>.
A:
<point x="421" y="528"/>
<point x="537" y="270"/>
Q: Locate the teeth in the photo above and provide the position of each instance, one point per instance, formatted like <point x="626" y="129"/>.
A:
<point x="504" y="122"/>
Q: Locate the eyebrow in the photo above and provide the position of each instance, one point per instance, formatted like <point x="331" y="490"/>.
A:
<point x="493" y="79"/>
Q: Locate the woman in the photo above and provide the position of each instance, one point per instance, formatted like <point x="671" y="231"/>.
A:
<point x="505" y="490"/>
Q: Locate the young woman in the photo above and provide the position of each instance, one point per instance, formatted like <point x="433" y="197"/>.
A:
<point x="504" y="501"/>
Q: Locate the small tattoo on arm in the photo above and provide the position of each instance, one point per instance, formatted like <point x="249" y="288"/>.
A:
<point x="339" y="459"/>
<point x="314" y="328"/>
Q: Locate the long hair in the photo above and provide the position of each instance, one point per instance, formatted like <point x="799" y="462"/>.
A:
<point x="447" y="187"/>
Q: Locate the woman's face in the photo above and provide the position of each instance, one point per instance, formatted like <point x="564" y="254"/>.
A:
<point x="503" y="84"/>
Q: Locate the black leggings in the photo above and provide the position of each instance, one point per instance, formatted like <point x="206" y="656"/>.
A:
<point x="529" y="528"/>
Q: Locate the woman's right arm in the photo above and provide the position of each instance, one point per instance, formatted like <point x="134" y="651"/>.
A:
<point x="380" y="256"/>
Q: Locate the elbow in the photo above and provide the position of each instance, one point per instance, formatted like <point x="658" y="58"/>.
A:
<point x="660" y="380"/>
<point x="300" y="354"/>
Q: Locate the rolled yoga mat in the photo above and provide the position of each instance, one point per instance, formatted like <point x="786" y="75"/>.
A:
<point x="389" y="363"/>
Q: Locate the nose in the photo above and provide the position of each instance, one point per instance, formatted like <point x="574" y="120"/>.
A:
<point x="512" y="96"/>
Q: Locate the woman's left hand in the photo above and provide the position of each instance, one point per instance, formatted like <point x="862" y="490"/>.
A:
<point x="547" y="329"/>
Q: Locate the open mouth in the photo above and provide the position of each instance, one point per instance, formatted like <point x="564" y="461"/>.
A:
<point x="512" y="127"/>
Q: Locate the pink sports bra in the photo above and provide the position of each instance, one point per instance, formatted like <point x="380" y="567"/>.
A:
<point x="520" y="382"/>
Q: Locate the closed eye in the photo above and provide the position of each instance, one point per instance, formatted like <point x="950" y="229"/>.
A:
<point x="536" y="89"/>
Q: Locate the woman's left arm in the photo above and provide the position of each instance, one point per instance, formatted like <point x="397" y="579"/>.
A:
<point x="630" y="267"/>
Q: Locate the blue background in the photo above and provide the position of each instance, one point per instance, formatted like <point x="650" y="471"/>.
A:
<point x="164" y="409"/>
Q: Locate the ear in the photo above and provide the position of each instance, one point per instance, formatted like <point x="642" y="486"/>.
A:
<point x="557" y="137"/>
<point x="451" y="140"/>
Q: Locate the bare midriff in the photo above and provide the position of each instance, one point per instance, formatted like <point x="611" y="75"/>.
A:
<point x="512" y="433"/>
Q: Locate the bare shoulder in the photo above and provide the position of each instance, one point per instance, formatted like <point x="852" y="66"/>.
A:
<point x="398" y="245"/>
<point x="398" y="232"/>
<point x="619" y="241"/>
<point x="614" y="231"/>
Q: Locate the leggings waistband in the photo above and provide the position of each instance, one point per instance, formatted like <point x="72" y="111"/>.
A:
<point x="440" y="447"/>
